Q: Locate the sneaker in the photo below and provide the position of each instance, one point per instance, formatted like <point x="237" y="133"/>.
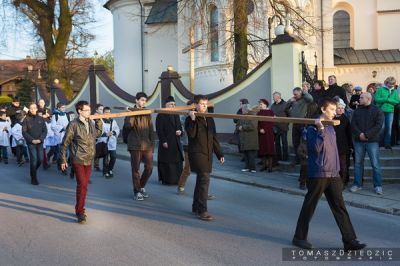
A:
<point x="138" y="196"/>
<point x="355" y="188"/>
<point x="181" y="190"/>
<point x="144" y="193"/>
<point x="107" y="175"/>
<point x="245" y="170"/>
<point x="111" y="173"/>
<point x="378" y="190"/>
<point x="253" y="171"/>
<point x="205" y="216"/>
<point x="81" y="218"/>
<point x="211" y="197"/>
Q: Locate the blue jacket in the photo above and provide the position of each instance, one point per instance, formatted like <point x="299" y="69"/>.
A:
<point x="323" y="158"/>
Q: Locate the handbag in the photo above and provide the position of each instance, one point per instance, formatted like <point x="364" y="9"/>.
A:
<point x="20" y="142"/>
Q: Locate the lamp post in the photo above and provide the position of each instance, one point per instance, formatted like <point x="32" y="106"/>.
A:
<point x="279" y="30"/>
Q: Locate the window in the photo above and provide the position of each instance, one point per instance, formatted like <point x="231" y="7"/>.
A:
<point x="341" y="29"/>
<point x="213" y="38"/>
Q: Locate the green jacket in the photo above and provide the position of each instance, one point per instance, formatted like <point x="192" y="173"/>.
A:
<point x="386" y="99"/>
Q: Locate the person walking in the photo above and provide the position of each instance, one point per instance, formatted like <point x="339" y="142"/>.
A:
<point x="170" y="157"/>
<point x="323" y="173"/>
<point x="81" y="135"/>
<point x="202" y="144"/>
<point x="34" y="131"/>
<point x="140" y="139"/>
<point x="366" y="124"/>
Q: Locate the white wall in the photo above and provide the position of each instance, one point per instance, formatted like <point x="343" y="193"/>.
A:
<point x="161" y="50"/>
<point x="127" y="45"/>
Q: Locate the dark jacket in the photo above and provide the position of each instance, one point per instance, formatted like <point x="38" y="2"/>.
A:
<point x="318" y="95"/>
<point x="34" y="127"/>
<point x="343" y="135"/>
<point x="12" y="112"/>
<point x="202" y="143"/>
<point x="335" y="90"/>
<point x="354" y="98"/>
<point x="279" y="109"/>
<point x="367" y="120"/>
<point x="323" y="157"/>
<point x="166" y="127"/>
<point x="82" y="145"/>
<point x="141" y="132"/>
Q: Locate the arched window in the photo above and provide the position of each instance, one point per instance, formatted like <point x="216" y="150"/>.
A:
<point x="213" y="38"/>
<point x="341" y="29"/>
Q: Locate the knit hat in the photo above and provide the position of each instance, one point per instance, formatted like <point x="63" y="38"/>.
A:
<point x="358" y="88"/>
<point x="170" y="99"/>
<point x="265" y="101"/>
<point x="341" y="103"/>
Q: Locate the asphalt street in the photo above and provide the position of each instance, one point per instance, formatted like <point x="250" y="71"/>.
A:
<point x="38" y="225"/>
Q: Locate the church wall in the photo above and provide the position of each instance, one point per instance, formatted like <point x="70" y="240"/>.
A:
<point x="161" y="50"/>
<point x="127" y="46"/>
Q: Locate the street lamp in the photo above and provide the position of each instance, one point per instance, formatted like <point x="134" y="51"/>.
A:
<point x="279" y="30"/>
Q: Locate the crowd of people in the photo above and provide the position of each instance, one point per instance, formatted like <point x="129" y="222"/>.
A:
<point x="187" y="144"/>
<point x="368" y="120"/>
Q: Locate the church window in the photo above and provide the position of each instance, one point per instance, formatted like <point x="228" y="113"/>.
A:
<point x="341" y="29"/>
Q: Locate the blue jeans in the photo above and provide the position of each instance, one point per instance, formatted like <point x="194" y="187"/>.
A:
<point x="35" y="157"/>
<point x="372" y="148"/>
<point x="387" y="128"/>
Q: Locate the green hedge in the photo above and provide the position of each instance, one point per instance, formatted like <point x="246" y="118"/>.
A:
<point x="5" y="100"/>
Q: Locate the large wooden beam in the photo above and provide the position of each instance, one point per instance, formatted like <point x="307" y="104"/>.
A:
<point x="274" y="119"/>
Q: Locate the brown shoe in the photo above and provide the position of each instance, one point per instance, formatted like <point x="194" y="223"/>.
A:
<point x="205" y="216"/>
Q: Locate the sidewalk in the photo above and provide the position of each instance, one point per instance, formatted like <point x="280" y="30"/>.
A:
<point x="282" y="181"/>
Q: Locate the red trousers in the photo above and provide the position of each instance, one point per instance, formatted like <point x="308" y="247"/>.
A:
<point x="82" y="173"/>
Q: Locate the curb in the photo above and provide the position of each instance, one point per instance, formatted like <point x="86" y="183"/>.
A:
<point x="392" y="211"/>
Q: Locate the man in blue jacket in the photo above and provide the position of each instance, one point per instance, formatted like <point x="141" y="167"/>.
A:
<point x="324" y="178"/>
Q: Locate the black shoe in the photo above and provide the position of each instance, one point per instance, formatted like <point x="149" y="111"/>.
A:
<point x="34" y="181"/>
<point x="81" y="218"/>
<point x="47" y="166"/>
<point x="211" y="197"/>
<point x="205" y="216"/>
<point x="6" y="161"/>
<point x="302" y="243"/>
<point x="388" y="147"/>
<point x="353" y="245"/>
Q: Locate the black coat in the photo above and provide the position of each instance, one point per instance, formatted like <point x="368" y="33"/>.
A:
<point x="34" y="127"/>
<point x="202" y="143"/>
<point x="279" y="110"/>
<point x="166" y="126"/>
<point x="343" y="135"/>
<point x="367" y="120"/>
<point x="13" y="112"/>
<point x="335" y="90"/>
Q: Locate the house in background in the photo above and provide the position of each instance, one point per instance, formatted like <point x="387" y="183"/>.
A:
<point x="13" y="72"/>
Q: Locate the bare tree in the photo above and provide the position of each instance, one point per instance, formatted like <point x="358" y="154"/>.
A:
<point x="59" y="27"/>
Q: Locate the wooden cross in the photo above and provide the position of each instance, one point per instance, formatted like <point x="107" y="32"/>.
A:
<point x="190" y="48"/>
<point x="182" y="110"/>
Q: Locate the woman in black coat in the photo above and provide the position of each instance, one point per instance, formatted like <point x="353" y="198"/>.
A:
<point x="343" y="140"/>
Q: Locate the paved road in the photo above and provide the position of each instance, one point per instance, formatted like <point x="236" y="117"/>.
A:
<point x="252" y="224"/>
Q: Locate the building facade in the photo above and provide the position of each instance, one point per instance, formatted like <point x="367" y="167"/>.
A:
<point x="353" y="39"/>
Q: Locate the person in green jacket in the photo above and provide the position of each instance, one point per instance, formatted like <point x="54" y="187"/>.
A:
<point x="386" y="97"/>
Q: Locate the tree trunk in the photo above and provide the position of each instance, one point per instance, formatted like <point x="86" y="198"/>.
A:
<point x="240" y="64"/>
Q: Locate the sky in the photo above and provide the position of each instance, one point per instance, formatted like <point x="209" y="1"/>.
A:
<point x="18" y="44"/>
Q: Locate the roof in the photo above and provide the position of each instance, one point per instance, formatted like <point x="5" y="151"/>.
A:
<point x="349" y="56"/>
<point x="163" y="11"/>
